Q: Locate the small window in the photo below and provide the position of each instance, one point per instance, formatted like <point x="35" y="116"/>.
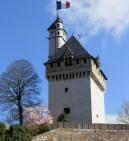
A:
<point x="66" y="90"/>
<point x="56" y="77"/>
<point x="84" y="73"/>
<point x="66" y="61"/>
<point x="52" y="32"/>
<point x="58" y="64"/>
<point x="77" y="61"/>
<point x="58" y="33"/>
<point x="51" y="65"/>
<point x="58" y="25"/>
<point x="70" y="61"/>
<point x="67" y="110"/>
<point x="85" y="61"/>
<point x="60" y="76"/>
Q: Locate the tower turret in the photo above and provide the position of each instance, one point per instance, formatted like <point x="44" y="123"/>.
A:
<point x="57" y="36"/>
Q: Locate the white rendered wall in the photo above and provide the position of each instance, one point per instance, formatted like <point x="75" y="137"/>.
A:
<point x="57" y="38"/>
<point x="97" y="101"/>
<point x="60" y="42"/>
<point x="52" y="49"/>
<point x="78" y="99"/>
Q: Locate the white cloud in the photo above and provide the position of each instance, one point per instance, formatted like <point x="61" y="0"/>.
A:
<point x="88" y="17"/>
<point x="112" y="119"/>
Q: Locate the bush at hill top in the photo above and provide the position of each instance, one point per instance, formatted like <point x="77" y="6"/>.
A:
<point x="21" y="133"/>
<point x="2" y="131"/>
<point x="14" y="133"/>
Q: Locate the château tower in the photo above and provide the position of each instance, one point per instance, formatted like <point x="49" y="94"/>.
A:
<point x="57" y="37"/>
<point x="76" y="82"/>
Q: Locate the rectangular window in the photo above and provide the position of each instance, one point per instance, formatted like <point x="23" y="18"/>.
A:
<point x="67" y="110"/>
<point x="66" y="61"/>
<point x="66" y="90"/>
<point x="58" y="64"/>
<point x="84" y="60"/>
<point x="70" y="61"/>
<point x="51" y="65"/>
<point x="77" y="61"/>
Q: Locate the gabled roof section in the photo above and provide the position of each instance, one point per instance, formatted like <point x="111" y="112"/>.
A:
<point x="53" y="25"/>
<point x="68" y="52"/>
<point x="77" y="49"/>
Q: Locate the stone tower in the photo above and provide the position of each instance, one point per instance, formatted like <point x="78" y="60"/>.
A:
<point x="57" y="36"/>
<point x="76" y="82"/>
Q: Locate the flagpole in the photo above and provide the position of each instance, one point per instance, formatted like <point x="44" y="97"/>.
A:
<point x="56" y="10"/>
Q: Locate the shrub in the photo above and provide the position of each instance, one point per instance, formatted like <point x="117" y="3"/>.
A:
<point x="39" y="129"/>
<point x="7" y="134"/>
<point x="2" y="131"/>
<point x="43" y="128"/>
<point x="18" y="133"/>
<point x="62" y="118"/>
<point x="33" y="130"/>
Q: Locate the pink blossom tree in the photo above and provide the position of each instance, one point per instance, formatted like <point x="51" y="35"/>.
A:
<point x="37" y="116"/>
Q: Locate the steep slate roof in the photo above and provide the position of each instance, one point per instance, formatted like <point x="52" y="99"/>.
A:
<point x="76" y="48"/>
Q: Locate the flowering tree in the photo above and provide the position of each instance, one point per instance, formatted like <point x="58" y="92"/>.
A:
<point x="37" y="116"/>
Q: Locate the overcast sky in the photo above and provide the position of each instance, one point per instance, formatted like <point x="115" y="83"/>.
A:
<point x="101" y="26"/>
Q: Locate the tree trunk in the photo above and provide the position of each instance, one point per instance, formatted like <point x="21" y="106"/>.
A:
<point x="20" y="114"/>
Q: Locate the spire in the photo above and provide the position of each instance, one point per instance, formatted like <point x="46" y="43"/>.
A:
<point x="58" y="20"/>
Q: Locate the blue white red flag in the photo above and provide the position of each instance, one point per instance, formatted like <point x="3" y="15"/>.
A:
<point x="62" y="5"/>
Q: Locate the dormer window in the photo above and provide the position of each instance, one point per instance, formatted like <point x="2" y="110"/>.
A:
<point x="68" y="61"/>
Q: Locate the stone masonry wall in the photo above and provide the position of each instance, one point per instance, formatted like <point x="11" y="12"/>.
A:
<point x="62" y="134"/>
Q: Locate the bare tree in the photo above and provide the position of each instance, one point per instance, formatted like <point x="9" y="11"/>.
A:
<point x="19" y="88"/>
<point x="123" y="114"/>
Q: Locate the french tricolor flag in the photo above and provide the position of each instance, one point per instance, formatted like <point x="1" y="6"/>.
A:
<point x="62" y="4"/>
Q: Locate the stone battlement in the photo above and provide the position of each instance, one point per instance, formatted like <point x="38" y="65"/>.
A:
<point x="90" y="126"/>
